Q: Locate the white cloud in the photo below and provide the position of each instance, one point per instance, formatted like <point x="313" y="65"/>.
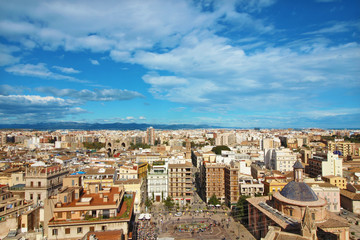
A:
<point x="39" y="70"/>
<point x="94" y="62"/>
<point x="130" y="118"/>
<point x="6" y="54"/>
<point x="29" y="108"/>
<point x="142" y="118"/>
<point x="95" y="95"/>
<point x="8" y="90"/>
<point x="338" y="27"/>
<point x="66" y="70"/>
<point x="155" y="79"/>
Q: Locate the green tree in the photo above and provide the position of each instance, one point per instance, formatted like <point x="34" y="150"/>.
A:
<point x="139" y="145"/>
<point x="212" y="141"/>
<point x="240" y="211"/>
<point x="217" y="150"/>
<point x="169" y="203"/>
<point x="93" y="145"/>
<point x="148" y="202"/>
<point x="214" y="200"/>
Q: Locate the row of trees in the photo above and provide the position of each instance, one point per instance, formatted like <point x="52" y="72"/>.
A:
<point x="139" y="145"/>
<point x="93" y="145"/>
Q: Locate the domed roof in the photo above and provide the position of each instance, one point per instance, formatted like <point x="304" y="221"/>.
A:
<point x="298" y="165"/>
<point x="299" y="191"/>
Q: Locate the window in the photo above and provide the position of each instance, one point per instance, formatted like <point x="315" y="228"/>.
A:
<point x="39" y="184"/>
<point x="39" y="197"/>
<point x="103" y="228"/>
<point x="92" y="229"/>
<point x="67" y="230"/>
<point x="73" y="182"/>
<point x="54" y="232"/>
<point x="31" y="197"/>
<point x="59" y="214"/>
<point x="79" y="230"/>
<point x="313" y="216"/>
<point x="31" y="184"/>
<point x="291" y="212"/>
<point x="65" y="199"/>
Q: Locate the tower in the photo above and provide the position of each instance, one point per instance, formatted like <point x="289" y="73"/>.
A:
<point x="298" y="172"/>
<point x="150" y="136"/>
<point x="188" y="150"/>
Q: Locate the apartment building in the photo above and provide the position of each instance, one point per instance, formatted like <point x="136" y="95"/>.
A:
<point x="12" y="176"/>
<point x="157" y="183"/>
<point x="125" y="172"/>
<point x="181" y="188"/>
<point x="11" y="205"/>
<point x="232" y="184"/>
<point x="337" y="181"/>
<point x="43" y="182"/>
<point x="150" y="136"/>
<point x="282" y="159"/>
<point x="103" y="176"/>
<point x="328" y="192"/>
<point x="329" y="164"/>
<point x="250" y="187"/>
<point x="214" y="181"/>
<point x="274" y="184"/>
<point x="345" y="148"/>
<point x="78" y="211"/>
<point x="137" y="186"/>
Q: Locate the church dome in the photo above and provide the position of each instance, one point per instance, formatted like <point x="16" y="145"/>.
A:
<point x="298" y="191"/>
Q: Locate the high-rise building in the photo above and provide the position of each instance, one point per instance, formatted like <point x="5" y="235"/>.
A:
<point x="214" y="181"/>
<point x="150" y="136"/>
<point x="181" y="183"/>
<point x="232" y="184"/>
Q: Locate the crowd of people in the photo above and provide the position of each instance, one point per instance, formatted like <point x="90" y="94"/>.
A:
<point x="145" y="229"/>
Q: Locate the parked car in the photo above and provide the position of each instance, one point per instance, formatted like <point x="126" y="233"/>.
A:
<point x="178" y="214"/>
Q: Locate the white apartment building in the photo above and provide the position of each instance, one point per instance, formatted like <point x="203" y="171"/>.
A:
<point x="250" y="187"/>
<point x="157" y="183"/>
<point x="282" y="159"/>
<point x="332" y="166"/>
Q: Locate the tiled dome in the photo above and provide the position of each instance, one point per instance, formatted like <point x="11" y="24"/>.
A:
<point x="299" y="191"/>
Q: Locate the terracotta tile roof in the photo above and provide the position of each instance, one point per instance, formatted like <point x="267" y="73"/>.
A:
<point x="184" y="165"/>
<point x="106" y="235"/>
<point x="350" y="195"/>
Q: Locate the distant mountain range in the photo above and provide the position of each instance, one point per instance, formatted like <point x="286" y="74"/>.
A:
<point x="101" y="126"/>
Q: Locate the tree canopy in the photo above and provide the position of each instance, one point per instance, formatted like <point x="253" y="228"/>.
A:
<point x="93" y="145"/>
<point x="169" y="203"/>
<point x="139" y="145"/>
<point x="240" y="211"/>
<point x="217" y="150"/>
<point x="214" y="200"/>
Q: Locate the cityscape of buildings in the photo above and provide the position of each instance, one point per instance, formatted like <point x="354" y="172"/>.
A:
<point x="67" y="184"/>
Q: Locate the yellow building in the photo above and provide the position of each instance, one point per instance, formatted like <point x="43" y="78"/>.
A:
<point x="346" y="148"/>
<point x="103" y="176"/>
<point x="337" y="181"/>
<point x="142" y="169"/>
<point x="273" y="185"/>
<point x="137" y="186"/>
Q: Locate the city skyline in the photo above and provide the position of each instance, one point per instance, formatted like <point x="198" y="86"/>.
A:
<point x="259" y="63"/>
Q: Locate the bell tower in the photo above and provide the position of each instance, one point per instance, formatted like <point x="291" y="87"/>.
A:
<point x="298" y="171"/>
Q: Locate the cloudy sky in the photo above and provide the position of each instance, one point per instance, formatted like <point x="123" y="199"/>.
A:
<point x="247" y="63"/>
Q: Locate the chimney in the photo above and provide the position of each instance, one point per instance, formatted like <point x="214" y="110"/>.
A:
<point x="101" y="195"/>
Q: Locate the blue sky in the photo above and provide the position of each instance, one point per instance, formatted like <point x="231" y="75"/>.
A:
<point x="249" y="63"/>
